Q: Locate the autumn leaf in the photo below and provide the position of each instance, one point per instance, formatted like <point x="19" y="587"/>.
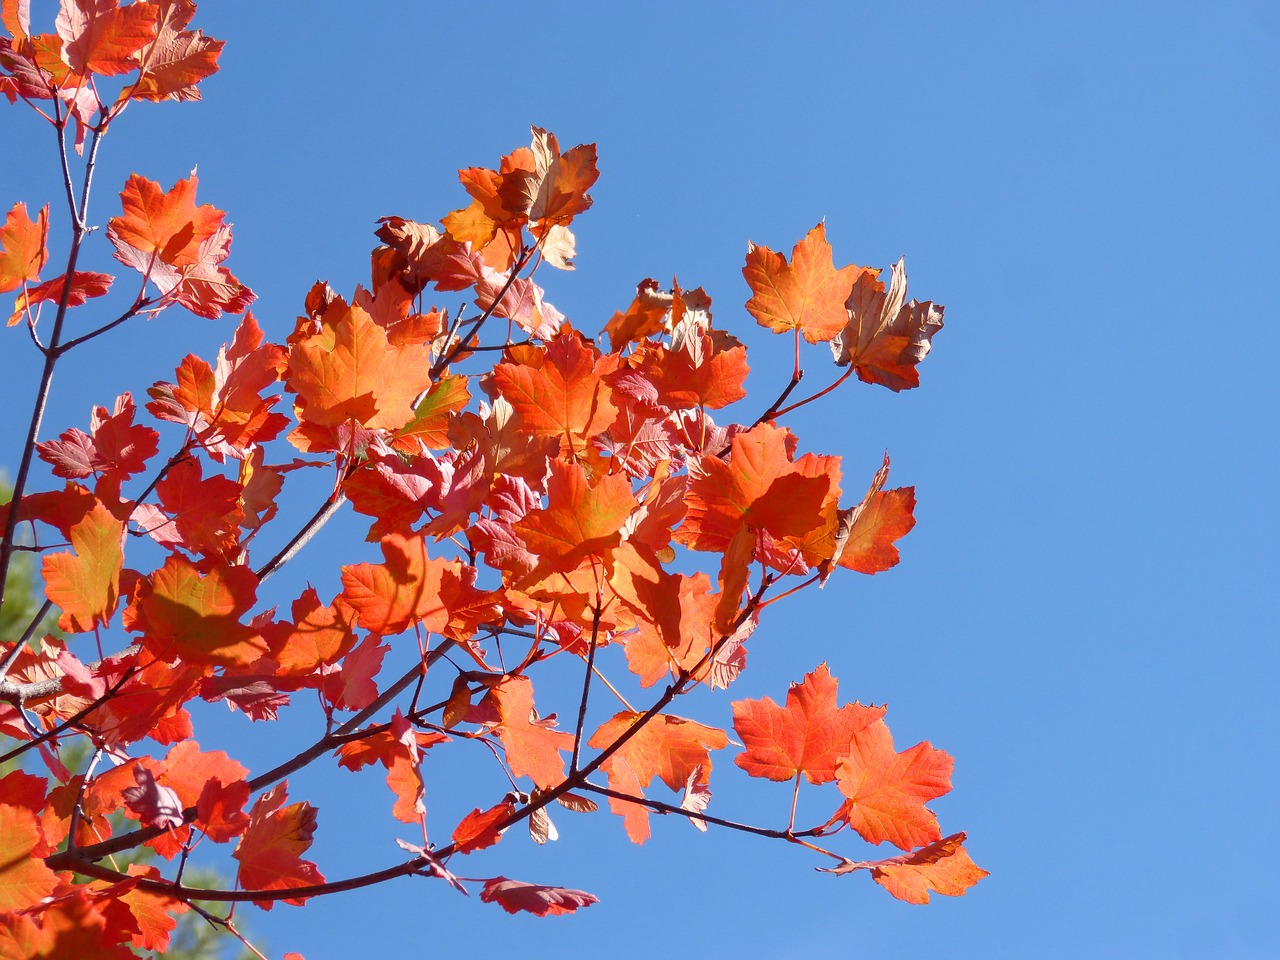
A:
<point x="319" y="634"/>
<point x="555" y="190"/>
<point x="559" y="390"/>
<point x="224" y="404"/>
<point x="85" y="583"/>
<point x="350" y="371"/>
<point x="84" y="286"/>
<point x="582" y="521"/>
<point x="407" y="588"/>
<point x="22" y="247"/>
<point x="533" y="746"/>
<point x="667" y="747"/>
<point x="884" y="338"/>
<point x="178" y="246"/>
<point x="194" y="612"/>
<point x="543" y="901"/>
<point x="398" y="749"/>
<point x="943" y="866"/>
<point x="24" y="879"/>
<point x="478" y="828"/>
<point x="98" y="36"/>
<point x="886" y="791"/>
<point x="271" y="848"/>
<point x="177" y="60"/>
<point x="810" y="736"/>
<point x="806" y="295"/>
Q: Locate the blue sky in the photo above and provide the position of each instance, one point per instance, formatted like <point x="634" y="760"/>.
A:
<point x="1085" y="615"/>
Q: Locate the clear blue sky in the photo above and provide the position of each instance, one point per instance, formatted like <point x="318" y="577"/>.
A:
<point x="1086" y="613"/>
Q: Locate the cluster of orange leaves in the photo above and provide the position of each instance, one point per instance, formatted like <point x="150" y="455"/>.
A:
<point x="548" y="515"/>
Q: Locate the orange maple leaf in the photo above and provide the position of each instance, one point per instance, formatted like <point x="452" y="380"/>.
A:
<point x="810" y="735"/>
<point x="98" y="36"/>
<point x="24" y="879"/>
<point x="582" y="521"/>
<point x="22" y="247"/>
<point x="177" y="60"/>
<point x="943" y="866"/>
<point x="85" y="583"/>
<point x="884" y="338"/>
<point x="533" y="746"/>
<point x="178" y="246"/>
<point x="887" y="791"/>
<point x="350" y="370"/>
<point x="670" y="748"/>
<point x="409" y="588"/>
<point x="194" y="612"/>
<point x="806" y="295"/>
<point x="559" y="389"/>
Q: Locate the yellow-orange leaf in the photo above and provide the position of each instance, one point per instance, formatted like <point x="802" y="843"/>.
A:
<point x="807" y="294"/>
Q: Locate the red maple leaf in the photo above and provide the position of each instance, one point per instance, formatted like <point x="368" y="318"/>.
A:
<point x="271" y="848"/>
<point x="478" y="828"/>
<point x="399" y="749"/>
<point x="84" y="286"/>
<point x="224" y="404"/>
<point x="809" y="736"/>
<point x="516" y="895"/>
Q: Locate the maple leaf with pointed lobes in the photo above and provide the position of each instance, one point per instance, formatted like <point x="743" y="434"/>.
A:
<point x="533" y="746"/>
<point x="806" y="295"/>
<point x="670" y="748"/>
<point x="271" y="848"/>
<point x="319" y="634"/>
<point x="22" y="247"/>
<point x="560" y="389"/>
<point x="101" y="37"/>
<point x="193" y="611"/>
<point x="886" y="791"/>
<point x="398" y="749"/>
<point x="884" y="338"/>
<point x="85" y="583"/>
<point x="409" y="588"/>
<point x="84" y="286"/>
<point x="810" y="736"/>
<point x="943" y="866"/>
<point x="178" y="246"/>
<point x="582" y="521"/>
<point x="24" y="879"/>
<point x="478" y="828"/>
<point x="177" y="60"/>
<point x="224" y="404"/>
<point x="351" y="371"/>
<point x="116" y="446"/>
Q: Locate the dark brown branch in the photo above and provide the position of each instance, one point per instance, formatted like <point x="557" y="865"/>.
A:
<point x="659" y="806"/>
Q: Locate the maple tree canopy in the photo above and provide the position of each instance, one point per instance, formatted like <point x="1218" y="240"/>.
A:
<point x="531" y="495"/>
